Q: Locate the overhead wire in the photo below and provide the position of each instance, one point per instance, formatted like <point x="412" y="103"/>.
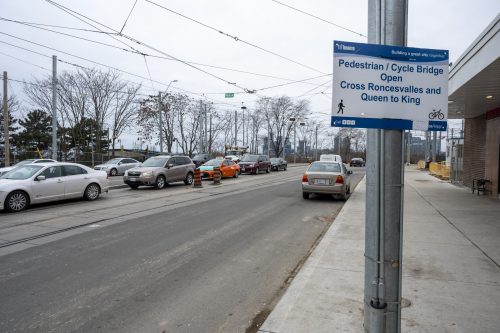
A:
<point x="40" y="27"/>
<point x="130" y="13"/>
<point x="319" y="18"/>
<point x="235" y="38"/>
<point x="76" y="14"/>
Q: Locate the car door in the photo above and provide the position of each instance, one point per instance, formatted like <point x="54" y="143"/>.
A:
<point x="180" y="168"/>
<point x="51" y="188"/>
<point x="75" y="181"/>
<point x="170" y="172"/>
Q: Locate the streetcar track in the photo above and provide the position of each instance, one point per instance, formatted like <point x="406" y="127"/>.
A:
<point x="79" y="226"/>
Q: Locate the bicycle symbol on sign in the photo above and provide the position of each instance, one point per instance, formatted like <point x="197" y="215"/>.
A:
<point x="436" y="114"/>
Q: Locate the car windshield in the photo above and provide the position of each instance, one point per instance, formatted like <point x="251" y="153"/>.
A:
<point x="155" y="162"/>
<point x="250" y="158"/>
<point x="22" y="172"/>
<point x="324" y="167"/>
<point x="213" y="162"/>
<point x="114" y="161"/>
<point x="274" y="159"/>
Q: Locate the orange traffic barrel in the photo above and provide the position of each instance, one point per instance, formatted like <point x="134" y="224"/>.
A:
<point x="217" y="176"/>
<point x="197" y="178"/>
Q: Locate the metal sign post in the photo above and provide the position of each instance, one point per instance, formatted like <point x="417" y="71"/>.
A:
<point x="387" y="88"/>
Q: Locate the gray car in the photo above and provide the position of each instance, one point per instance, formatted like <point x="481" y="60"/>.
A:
<point x="325" y="177"/>
<point x="158" y="171"/>
<point x="118" y="166"/>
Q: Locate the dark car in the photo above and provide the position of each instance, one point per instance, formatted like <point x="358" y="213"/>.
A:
<point x="357" y="162"/>
<point x="201" y="158"/>
<point x="278" y="163"/>
<point x="255" y="164"/>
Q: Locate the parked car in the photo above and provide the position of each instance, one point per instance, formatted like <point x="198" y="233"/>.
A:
<point x="278" y="163"/>
<point x="255" y="164"/>
<point x="118" y="166"/>
<point x="42" y="182"/>
<point x="201" y="158"/>
<point x="7" y="169"/>
<point x="227" y="167"/>
<point x="158" y="171"/>
<point x="356" y="161"/>
<point x="326" y="178"/>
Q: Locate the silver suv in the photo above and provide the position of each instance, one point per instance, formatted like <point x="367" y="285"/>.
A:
<point x="158" y="171"/>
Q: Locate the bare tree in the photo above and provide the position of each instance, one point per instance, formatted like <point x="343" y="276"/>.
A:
<point x="125" y="113"/>
<point x="278" y="111"/>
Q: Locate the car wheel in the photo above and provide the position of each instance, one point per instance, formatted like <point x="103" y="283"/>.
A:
<point x="16" y="201"/>
<point x="256" y="171"/>
<point x="113" y="172"/>
<point x="92" y="192"/>
<point x="134" y="187"/>
<point x="189" y="179"/>
<point x="236" y="174"/>
<point x="160" y="182"/>
<point x="268" y="169"/>
<point x="284" y="169"/>
<point x="305" y="195"/>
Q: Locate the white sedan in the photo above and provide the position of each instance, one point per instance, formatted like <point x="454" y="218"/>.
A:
<point x="43" y="182"/>
<point x="4" y="170"/>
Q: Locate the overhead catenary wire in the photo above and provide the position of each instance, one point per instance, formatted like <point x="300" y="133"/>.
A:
<point x="235" y="38"/>
<point x="319" y="18"/>
<point x="130" y="13"/>
<point x="75" y="14"/>
<point x="40" y="26"/>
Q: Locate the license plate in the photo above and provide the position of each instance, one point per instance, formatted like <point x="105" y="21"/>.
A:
<point x="243" y="169"/>
<point x="133" y="179"/>
<point x="321" y="181"/>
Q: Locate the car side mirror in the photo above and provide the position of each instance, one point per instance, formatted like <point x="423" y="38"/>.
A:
<point x="349" y="172"/>
<point x="119" y="163"/>
<point x="41" y="177"/>
<point x="169" y="165"/>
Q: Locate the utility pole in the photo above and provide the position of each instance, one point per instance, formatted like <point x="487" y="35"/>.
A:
<point x="6" y="122"/>
<point x="295" y="141"/>
<point x="434" y="146"/>
<point x="235" y="128"/>
<point x="210" y="136"/>
<point x="205" y="132"/>
<point x="201" y="127"/>
<point x="387" y="25"/>
<point x="54" y="107"/>
<point x="161" y="121"/>
<point x="316" y="143"/>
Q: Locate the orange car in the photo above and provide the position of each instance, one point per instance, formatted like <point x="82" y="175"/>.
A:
<point x="227" y="167"/>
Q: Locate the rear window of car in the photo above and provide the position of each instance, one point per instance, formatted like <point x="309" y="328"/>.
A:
<point x="324" y="167"/>
<point x="155" y="162"/>
<point x="250" y="158"/>
<point x="71" y="170"/>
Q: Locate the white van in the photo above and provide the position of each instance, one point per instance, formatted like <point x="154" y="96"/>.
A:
<point x="330" y="158"/>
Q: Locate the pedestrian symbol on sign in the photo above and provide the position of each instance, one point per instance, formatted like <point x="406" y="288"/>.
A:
<point x="341" y="107"/>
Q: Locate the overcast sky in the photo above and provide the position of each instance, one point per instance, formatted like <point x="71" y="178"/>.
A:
<point x="306" y="41"/>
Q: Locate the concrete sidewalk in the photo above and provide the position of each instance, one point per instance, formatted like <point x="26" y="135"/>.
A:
<point x="451" y="272"/>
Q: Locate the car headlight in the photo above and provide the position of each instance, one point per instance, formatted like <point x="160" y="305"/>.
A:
<point x="147" y="174"/>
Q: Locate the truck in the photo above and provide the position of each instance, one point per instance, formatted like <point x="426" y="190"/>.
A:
<point x="235" y="153"/>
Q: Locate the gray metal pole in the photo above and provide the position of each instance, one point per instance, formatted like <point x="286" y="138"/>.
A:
<point x="201" y="128"/>
<point x="235" y="128"/>
<point x="408" y="148"/>
<point x="294" y="141"/>
<point x="205" y="131"/>
<point x="387" y="24"/>
<point x="316" y="144"/>
<point x="54" y="107"/>
<point x="161" y="121"/>
<point x="6" y="122"/>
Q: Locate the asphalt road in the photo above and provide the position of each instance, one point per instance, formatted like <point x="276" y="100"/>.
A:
<point x="209" y="261"/>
